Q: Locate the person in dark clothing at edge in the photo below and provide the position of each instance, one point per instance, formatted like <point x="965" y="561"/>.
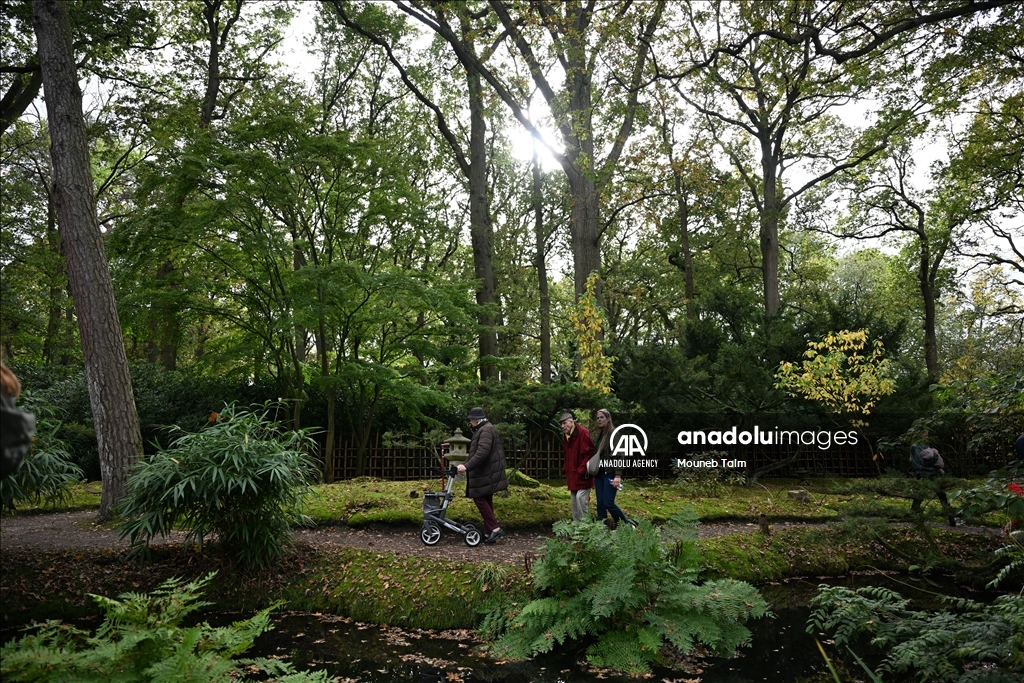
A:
<point x="927" y="464"/>
<point x="485" y="471"/>
<point x="16" y="426"/>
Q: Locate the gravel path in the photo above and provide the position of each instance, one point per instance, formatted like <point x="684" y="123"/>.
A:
<point x="80" y="531"/>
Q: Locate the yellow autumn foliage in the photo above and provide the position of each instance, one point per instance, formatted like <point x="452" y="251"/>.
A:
<point x="587" y="322"/>
<point x="844" y="372"/>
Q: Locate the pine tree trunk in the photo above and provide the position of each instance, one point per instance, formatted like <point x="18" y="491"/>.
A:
<point x="106" y="364"/>
<point x="55" y="310"/>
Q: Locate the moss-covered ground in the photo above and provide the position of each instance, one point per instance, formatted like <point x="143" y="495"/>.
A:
<point x="853" y="530"/>
<point x="365" y="501"/>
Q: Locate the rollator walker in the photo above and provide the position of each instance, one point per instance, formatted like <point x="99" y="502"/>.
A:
<point x="435" y="508"/>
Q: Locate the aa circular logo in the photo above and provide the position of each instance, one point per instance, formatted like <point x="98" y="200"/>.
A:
<point x="628" y="440"/>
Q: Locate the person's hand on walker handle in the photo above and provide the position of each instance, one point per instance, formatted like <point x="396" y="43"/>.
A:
<point x="461" y="468"/>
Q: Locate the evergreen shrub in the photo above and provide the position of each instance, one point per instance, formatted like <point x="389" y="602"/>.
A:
<point x="241" y="477"/>
<point x="627" y="595"/>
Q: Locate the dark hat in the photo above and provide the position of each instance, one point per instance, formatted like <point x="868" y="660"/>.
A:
<point x="566" y="416"/>
<point x="477" y="414"/>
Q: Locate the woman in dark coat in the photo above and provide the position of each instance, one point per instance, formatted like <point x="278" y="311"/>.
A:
<point x="607" y="480"/>
<point x="485" y="468"/>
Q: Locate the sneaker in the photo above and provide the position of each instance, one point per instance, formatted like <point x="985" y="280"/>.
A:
<point x="495" y="535"/>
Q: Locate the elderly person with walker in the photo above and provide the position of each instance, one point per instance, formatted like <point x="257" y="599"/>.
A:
<point x="486" y="471"/>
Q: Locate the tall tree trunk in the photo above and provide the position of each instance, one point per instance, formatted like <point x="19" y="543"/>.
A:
<point x="332" y="394"/>
<point x="301" y="334"/>
<point x="56" y="295"/>
<point x="540" y="262"/>
<point x="320" y="341"/>
<point x="69" y="323"/>
<point x="585" y="231"/>
<point x="684" y="258"/>
<point x="581" y="166"/>
<point x="169" y="322"/>
<point x="928" y="295"/>
<point x="770" y="229"/>
<point x="480" y="229"/>
<point x="106" y="364"/>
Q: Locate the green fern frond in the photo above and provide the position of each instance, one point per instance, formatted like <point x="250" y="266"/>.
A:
<point x="622" y="651"/>
<point x="635" y="590"/>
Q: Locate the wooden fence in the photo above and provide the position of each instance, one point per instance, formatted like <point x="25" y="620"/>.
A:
<point x="541" y="457"/>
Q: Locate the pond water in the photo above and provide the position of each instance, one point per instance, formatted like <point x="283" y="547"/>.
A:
<point x="782" y="651"/>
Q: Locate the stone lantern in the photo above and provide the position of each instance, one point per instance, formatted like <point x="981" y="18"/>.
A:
<point x="457" y="443"/>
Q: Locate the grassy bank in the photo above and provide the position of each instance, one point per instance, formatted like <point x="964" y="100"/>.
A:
<point x="401" y="590"/>
<point x="411" y="591"/>
<point x="837" y="549"/>
<point x="364" y="501"/>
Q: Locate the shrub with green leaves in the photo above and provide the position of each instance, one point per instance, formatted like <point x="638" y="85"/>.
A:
<point x="1002" y="493"/>
<point x="968" y="642"/>
<point x="47" y="471"/>
<point x="142" y="639"/>
<point x="242" y="477"/>
<point x="629" y="594"/>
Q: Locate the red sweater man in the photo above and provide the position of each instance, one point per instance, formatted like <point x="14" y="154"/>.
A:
<point x="578" y="447"/>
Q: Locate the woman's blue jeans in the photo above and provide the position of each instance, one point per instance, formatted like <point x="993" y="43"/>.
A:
<point x="606" y="499"/>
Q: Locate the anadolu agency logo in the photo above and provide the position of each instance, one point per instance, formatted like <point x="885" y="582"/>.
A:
<point x="628" y="444"/>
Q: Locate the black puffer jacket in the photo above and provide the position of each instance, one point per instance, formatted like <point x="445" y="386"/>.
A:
<point x="485" y="467"/>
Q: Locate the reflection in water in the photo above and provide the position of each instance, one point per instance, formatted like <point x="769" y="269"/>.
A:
<point x="369" y="654"/>
<point x="782" y="651"/>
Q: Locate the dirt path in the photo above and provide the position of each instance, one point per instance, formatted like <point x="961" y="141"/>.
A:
<point x="79" y="531"/>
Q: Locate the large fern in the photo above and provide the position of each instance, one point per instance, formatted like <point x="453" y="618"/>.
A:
<point x="142" y="640"/>
<point x="626" y="594"/>
<point x="965" y="642"/>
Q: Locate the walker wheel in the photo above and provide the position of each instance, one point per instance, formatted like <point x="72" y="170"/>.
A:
<point x="473" y="537"/>
<point x="430" y="533"/>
